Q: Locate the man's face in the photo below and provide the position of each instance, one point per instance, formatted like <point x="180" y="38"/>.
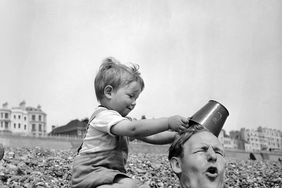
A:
<point x="203" y="163"/>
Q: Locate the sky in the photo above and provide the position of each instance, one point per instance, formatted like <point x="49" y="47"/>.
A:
<point x="189" y="52"/>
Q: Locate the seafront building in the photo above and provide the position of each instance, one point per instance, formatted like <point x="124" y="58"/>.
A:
<point x="251" y="137"/>
<point x="23" y="120"/>
<point x="251" y="140"/>
<point x="237" y="137"/>
<point x="270" y="138"/>
<point x="226" y="140"/>
<point x="5" y="117"/>
<point x="74" y="128"/>
<point x="262" y="139"/>
<point x="32" y="121"/>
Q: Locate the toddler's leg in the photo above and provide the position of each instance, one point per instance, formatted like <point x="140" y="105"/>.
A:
<point x="121" y="182"/>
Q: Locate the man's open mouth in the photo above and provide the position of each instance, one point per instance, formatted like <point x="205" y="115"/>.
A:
<point x="212" y="172"/>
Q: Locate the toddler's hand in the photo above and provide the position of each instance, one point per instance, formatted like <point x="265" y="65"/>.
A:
<point x="178" y="123"/>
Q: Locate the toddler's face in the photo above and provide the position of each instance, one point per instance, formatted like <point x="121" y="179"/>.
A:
<point x="124" y="99"/>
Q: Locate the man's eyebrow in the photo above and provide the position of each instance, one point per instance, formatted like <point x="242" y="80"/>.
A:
<point x="218" y="148"/>
<point x="201" y="144"/>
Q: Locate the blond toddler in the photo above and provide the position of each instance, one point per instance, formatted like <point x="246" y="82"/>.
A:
<point x="103" y="155"/>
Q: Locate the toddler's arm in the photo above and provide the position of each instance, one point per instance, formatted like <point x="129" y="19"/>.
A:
<point x="165" y="137"/>
<point x="147" y="127"/>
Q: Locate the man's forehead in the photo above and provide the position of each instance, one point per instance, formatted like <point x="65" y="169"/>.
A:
<point x="204" y="138"/>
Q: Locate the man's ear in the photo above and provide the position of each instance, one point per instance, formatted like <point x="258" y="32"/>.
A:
<point x="108" y="91"/>
<point x="175" y="164"/>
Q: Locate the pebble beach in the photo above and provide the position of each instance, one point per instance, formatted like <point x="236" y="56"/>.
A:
<point x="40" y="168"/>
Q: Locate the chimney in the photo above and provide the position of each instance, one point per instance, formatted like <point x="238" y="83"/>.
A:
<point x="22" y="105"/>
<point x="5" y="105"/>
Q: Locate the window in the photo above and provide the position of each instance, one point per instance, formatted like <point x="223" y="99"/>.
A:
<point x="33" y="127"/>
<point x="6" y="115"/>
<point x="6" y="125"/>
<point x="25" y="118"/>
<point x="39" y="117"/>
<point x="19" y="125"/>
<point x="15" y="126"/>
<point x="33" y="117"/>
<point x="24" y="127"/>
<point x="15" y="116"/>
<point x="40" y="127"/>
<point x="19" y="116"/>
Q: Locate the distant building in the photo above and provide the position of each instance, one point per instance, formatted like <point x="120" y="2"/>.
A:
<point x="221" y="136"/>
<point x="252" y="139"/>
<point x="23" y="120"/>
<point x="227" y="141"/>
<point x="5" y="118"/>
<point x="19" y="120"/>
<point x="74" y="128"/>
<point x="262" y="139"/>
<point x="53" y="127"/>
<point x="271" y="139"/>
<point x="238" y="140"/>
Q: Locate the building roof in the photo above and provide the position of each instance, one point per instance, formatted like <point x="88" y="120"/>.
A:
<point x="72" y="125"/>
<point x="5" y="110"/>
<point x="32" y="109"/>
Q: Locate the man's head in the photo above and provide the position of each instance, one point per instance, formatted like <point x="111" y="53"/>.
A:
<point x="197" y="157"/>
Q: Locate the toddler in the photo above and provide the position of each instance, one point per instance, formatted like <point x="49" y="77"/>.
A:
<point x="102" y="157"/>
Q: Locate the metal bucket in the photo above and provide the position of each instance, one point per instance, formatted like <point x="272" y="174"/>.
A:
<point x="212" y="116"/>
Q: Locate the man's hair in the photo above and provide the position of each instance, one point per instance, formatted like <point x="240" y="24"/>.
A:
<point x="115" y="74"/>
<point x="176" y="148"/>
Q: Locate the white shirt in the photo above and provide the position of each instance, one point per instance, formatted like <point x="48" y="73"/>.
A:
<point x="99" y="137"/>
